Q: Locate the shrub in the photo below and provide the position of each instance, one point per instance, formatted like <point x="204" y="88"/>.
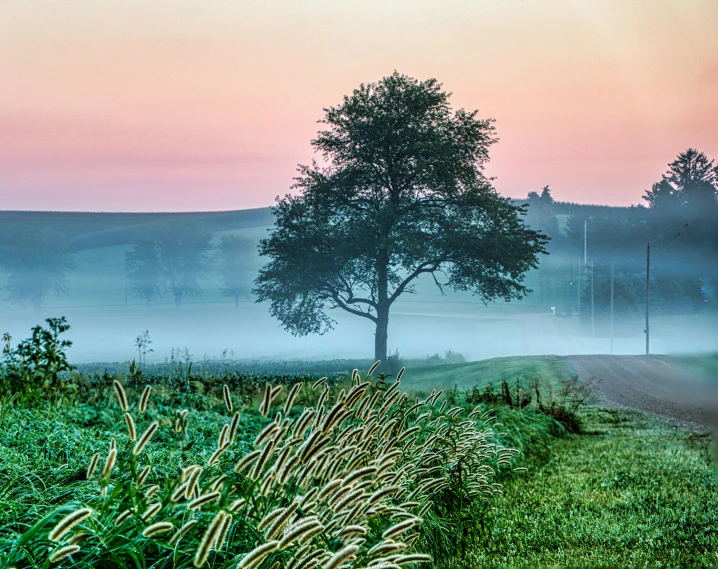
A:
<point x="37" y="365"/>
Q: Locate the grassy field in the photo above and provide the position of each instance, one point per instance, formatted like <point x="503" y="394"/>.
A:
<point x="629" y="490"/>
<point x="548" y="369"/>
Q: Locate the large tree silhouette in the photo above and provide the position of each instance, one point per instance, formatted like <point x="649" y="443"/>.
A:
<point x="401" y="193"/>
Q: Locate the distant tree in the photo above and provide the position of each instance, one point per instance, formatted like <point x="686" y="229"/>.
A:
<point x="235" y="255"/>
<point x="183" y="251"/>
<point x="144" y="269"/>
<point x="541" y="214"/>
<point x="36" y="261"/>
<point x="691" y="179"/>
<point x="402" y="194"/>
<point x="685" y="203"/>
<point x="546" y="196"/>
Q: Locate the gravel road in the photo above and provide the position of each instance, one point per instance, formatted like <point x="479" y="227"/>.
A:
<point x="653" y="385"/>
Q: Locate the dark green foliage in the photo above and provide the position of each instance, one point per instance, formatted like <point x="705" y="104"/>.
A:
<point x="36" y="261"/>
<point x="403" y="194"/>
<point x="36" y="367"/>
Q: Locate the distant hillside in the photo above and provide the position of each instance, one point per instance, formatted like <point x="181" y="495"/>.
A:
<point x="89" y="230"/>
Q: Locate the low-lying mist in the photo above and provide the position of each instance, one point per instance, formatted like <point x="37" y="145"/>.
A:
<point x="417" y="329"/>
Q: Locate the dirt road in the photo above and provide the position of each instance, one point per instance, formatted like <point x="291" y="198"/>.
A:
<point x="653" y="385"/>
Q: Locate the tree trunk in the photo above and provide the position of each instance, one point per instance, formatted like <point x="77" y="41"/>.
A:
<point x="382" y="309"/>
<point x="380" y="338"/>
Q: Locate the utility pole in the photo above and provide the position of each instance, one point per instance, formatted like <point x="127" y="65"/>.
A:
<point x="648" y="297"/>
<point x="593" y="314"/>
<point x="612" y="270"/>
<point x="585" y="244"/>
<point x="578" y="306"/>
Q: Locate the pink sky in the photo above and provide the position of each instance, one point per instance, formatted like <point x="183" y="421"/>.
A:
<point x="162" y="105"/>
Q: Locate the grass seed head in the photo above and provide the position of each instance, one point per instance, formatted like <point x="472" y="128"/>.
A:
<point x="319" y="382"/>
<point x="209" y="538"/>
<point x="300" y="530"/>
<point x="341" y="557"/>
<point x="109" y="463"/>
<point x="131" y="432"/>
<point x="401" y="527"/>
<point x="145" y="438"/>
<point x="289" y="403"/>
<point x="181" y="532"/>
<point x="143" y="475"/>
<point x="233" y="427"/>
<point x="68" y="522"/>
<point x="227" y="397"/>
<point x="222" y="537"/>
<point x="152" y="511"/>
<point x="258" y="554"/>
<point x="202" y="500"/>
<point x="247" y="460"/>
<point x="159" y="527"/>
<point x="145" y="398"/>
<point x="121" y="397"/>
<point x="93" y="465"/>
<point x="223" y="436"/>
<point x="63" y="552"/>
<point x="123" y="517"/>
<point x="192" y="479"/>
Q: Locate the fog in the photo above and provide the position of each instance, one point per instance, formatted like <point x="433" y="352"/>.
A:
<point x="107" y="313"/>
<point x="417" y="328"/>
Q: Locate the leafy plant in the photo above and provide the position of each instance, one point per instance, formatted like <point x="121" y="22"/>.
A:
<point x="36" y="365"/>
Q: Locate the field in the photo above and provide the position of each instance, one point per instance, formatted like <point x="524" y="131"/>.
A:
<point x="626" y="489"/>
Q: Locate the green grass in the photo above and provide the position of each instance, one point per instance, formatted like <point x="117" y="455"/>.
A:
<point x="631" y="490"/>
<point x="549" y="369"/>
<point x="635" y="491"/>
<point x="45" y="450"/>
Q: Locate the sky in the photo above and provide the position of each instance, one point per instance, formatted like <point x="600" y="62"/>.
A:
<point x="178" y="105"/>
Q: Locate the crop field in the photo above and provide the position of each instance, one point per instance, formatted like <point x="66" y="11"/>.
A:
<point x="499" y="463"/>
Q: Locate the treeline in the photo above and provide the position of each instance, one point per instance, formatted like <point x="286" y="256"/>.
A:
<point x="680" y="221"/>
<point x="172" y="259"/>
<point x="176" y="255"/>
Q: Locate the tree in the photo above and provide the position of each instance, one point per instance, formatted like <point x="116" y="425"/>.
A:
<point x="402" y="194"/>
<point x="144" y="269"/>
<point x="691" y="181"/>
<point x="36" y="260"/>
<point x="235" y="255"/>
<point x="685" y="204"/>
<point x="183" y="248"/>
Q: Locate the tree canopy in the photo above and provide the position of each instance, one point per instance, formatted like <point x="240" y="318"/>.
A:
<point x="400" y="193"/>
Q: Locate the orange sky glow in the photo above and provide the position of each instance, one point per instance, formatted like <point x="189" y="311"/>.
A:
<point x="178" y="105"/>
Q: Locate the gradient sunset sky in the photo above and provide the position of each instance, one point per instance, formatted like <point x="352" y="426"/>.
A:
<point x="168" y="105"/>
